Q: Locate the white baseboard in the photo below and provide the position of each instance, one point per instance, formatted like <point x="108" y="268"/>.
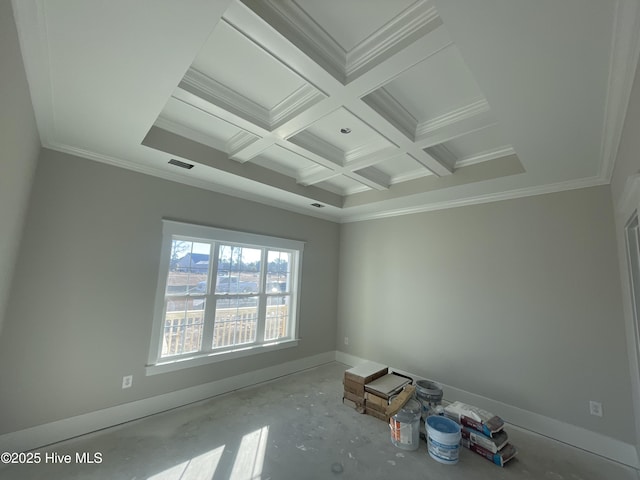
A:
<point x="579" y="437"/>
<point x="53" y="432"/>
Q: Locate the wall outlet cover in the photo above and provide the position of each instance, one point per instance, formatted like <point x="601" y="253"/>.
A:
<point x="127" y="381"/>
<point x="595" y="408"/>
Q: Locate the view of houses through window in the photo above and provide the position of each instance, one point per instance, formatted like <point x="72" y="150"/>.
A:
<point x="220" y="295"/>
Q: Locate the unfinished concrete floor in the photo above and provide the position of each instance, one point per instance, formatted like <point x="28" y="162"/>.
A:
<point x="294" y="428"/>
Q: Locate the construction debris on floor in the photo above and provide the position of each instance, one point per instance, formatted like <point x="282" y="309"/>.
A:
<point x="392" y="397"/>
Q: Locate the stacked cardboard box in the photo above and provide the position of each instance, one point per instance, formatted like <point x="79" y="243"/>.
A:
<point x="379" y="391"/>
<point x="355" y="380"/>
<point x="482" y="432"/>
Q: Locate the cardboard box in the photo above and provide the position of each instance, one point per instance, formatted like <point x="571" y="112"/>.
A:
<point x="357" y="406"/>
<point x="377" y="414"/>
<point x="353" y="397"/>
<point x="376" y="408"/>
<point x="500" y="458"/>
<point x="365" y="373"/>
<point x="376" y="402"/>
<point x="387" y="385"/>
<point x="354" y="387"/>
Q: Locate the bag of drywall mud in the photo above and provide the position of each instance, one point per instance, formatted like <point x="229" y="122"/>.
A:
<point x="493" y="444"/>
<point x="473" y="417"/>
<point x="499" y="458"/>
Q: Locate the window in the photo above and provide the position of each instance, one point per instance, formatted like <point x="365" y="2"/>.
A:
<point x="222" y="294"/>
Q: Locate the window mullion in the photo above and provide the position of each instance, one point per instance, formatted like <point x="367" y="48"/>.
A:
<point x="210" y="304"/>
<point x="262" y="298"/>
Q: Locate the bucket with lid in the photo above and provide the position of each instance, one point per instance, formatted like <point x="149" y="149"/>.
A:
<point x="405" y="426"/>
<point x="429" y="394"/>
<point x="443" y="439"/>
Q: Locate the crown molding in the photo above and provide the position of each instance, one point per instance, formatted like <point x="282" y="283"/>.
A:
<point x="306" y="179"/>
<point x="319" y="147"/>
<point x="380" y="149"/>
<point x="295" y="24"/>
<point x="413" y="175"/>
<point x="485" y="156"/>
<point x="303" y="97"/>
<point x="442" y="154"/>
<point x="239" y="142"/>
<point x="386" y="105"/>
<point x="406" y="26"/>
<point x="212" y="91"/>
<point x="625" y="49"/>
<point x="370" y="156"/>
<point x="377" y="179"/>
<point x="471" y="110"/>
<point x="184" y="131"/>
<point x="480" y="199"/>
<point x="190" y="180"/>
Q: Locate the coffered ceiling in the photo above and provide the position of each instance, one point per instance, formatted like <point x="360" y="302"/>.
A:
<point x="342" y="109"/>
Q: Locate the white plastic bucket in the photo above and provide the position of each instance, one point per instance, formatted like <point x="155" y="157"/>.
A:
<point x="443" y="439"/>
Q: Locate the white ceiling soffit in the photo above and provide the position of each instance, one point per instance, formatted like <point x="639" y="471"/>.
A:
<point x="370" y="108"/>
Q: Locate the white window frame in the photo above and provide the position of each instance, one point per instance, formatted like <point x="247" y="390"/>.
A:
<point x="200" y="233"/>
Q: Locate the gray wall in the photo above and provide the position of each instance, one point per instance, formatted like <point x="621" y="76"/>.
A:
<point x="628" y="158"/>
<point x="20" y="145"/>
<point x="518" y="301"/>
<point x="79" y="317"/>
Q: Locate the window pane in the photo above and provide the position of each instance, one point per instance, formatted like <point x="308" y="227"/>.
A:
<point x="277" y="317"/>
<point x="278" y="271"/>
<point x="236" y="321"/>
<point x="183" y="324"/>
<point x="188" y="268"/>
<point x="238" y="269"/>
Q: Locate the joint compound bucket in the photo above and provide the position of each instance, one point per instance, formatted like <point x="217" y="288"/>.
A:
<point x="405" y="426"/>
<point x="430" y="395"/>
<point x="443" y="439"/>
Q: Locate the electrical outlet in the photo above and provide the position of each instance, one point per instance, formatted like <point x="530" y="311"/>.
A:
<point x="127" y="381"/>
<point x="346" y="340"/>
<point x="595" y="408"/>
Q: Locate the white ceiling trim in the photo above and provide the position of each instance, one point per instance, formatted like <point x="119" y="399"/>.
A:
<point x="386" y="104"/>
<point x="485" y="156"/>
<point x="409" y="25"/>
<point x="319" y="147"/>
<point x="239" y="142"/>
<point x="288" y="108"/>
<point x="625" y="50"/>
<point x="225" y="98"/>
<point x="184" y="131"/>
<point x="373" y="152"/>
<point x="459" y="115"/>
<point x="191" y="180"/>
<point x="311" y="178"/>
<point x="378" y="180"/>
<point x="480" y="199"/>
<point x="344" y="65"/>
<point x="405" y="177"/>
<point x="308" y="35"/>
<point x="339" y="95"/>
<point x="443" y="154"/>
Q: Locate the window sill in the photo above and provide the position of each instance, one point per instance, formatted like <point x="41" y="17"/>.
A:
<point x="207" y="358"/>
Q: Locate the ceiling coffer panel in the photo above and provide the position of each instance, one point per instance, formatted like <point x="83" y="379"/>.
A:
<point x="240" y="76"/>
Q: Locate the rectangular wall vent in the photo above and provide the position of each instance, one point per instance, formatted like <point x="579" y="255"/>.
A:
<point x="180" y="164"/>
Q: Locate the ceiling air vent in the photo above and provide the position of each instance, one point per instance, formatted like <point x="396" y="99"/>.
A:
<point x="317" y="205"/>
<point x="180" y="164"/>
